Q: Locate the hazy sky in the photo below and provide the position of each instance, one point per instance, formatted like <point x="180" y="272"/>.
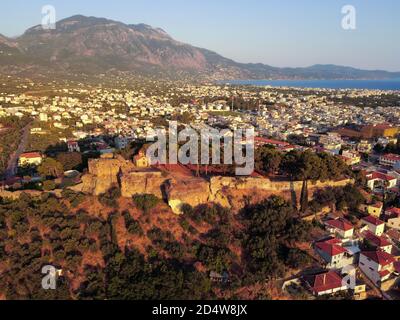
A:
<point x="292" y="33"/>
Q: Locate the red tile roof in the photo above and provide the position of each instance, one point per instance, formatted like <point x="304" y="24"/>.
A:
<point x="383" y="126"/>
<point x="341" y="224"/>
<point x="31" y="155"/>
<point x="325" y="281"/>
<point x="271" y="141"/>
<point x="373" y="220"/>
<point x="380" y="257"/>
<point x="330" y="247"/>
<point x="391" y="157"/>
<point x="380" y="176"/>
<point x="377" y="205"/>
<point x="376" y="240"/>
<point x="393" y="234"/>
<point x="393" y="212"/>
<point x="384" y="273"/>
<point x="139" y="157"/>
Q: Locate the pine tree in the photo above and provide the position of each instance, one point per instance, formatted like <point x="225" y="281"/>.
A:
<point x="304" y="197"/>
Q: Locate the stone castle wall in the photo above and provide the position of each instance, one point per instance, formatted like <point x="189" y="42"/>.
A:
<point x="230" y="192"/>
<point x="227" y="191"/>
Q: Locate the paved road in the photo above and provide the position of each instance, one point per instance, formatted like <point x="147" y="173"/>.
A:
<point x="12" y="167"/>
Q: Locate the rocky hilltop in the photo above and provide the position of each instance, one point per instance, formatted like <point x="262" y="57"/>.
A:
<point x="230" y="192"/>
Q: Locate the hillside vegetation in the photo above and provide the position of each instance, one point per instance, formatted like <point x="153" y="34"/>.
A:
<point x="114" y="248"/>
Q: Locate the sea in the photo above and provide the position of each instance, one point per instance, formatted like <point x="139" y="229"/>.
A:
<point x="390" y="85"/>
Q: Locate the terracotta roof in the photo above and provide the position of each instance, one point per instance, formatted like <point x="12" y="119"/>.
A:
<point x="287" y="147"/>
<point x="31" y="155"/>
<point x="383" y="126"/>
<point x="139" y="157"/>
<point x="378" y="205"/>
<point x="333" y="241"/>
<point x="373" y="220"/>
<point x="341" y="224"/>
<point x="380" y="176"/>
<point x="393" y="234"/>
<point x="325" y="281"/>
<point x="384" y="273"/>
<point x="330" y="247"/>
<point x="271" y="141"/>
<point x="391" y="157"/>
<point x="394" y="212"/>
<point x="376" y="240"/>
<point x="380" y="257"/>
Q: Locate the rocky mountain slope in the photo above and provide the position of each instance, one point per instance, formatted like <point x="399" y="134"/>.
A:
<point x="92" y="45"/>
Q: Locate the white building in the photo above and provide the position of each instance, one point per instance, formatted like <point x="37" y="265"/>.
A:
<point x="340" y="227"/>
<point x="43" y="117"/>
<point x="374" y="225"/>
<point x="392" y="218"/>
<point x="30" y="159"/>
<point x="390" y="160"/>
<point x="326" y="283"/>
<point x="378" y="242"/>
<point x="334" y="255"/>
<point x="380" y="180"/>
<point x="378" y="266"/>
<point x="73" y="146"/>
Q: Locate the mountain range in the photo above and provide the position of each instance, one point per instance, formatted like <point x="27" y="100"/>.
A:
<point x="90" y="45"/>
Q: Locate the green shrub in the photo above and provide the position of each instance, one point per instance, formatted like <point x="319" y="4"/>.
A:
<point x="145" y="202"/>
<point x="110" y="198"/>
<point x="75" y="198"/>
<point x="132" y="225"/>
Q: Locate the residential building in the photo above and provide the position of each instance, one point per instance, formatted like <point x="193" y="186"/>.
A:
<point x="379" y="242"/>
<point x="394" y="236"/>
<point x="351" y="157"/>
<point x="340" y="227"/>
<point x="43" y="117"/>
<point x="380" y="180"/>
<point x="392" y="218"/>
<point x="334" y="255"/>
<point x="326" y="283"/>
<point x="378" y="266"/>
<point x="280" y="145"/>
<point x="73" y="146"/>
<point x="364" y="146"/>
<point x="374" y="225"/>
<point x="141" y="161"/>
<point x="372" y="209"/>
<point x="30" y="159"/>
<point x="390" y="160"/>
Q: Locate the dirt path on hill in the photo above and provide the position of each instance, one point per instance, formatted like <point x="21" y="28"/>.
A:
<point x="12" y="167"/>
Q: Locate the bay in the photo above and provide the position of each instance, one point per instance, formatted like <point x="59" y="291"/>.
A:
<point x="391" y="85"/>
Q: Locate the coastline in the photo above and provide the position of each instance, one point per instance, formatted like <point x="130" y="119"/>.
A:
<point x="381" y="84"/>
